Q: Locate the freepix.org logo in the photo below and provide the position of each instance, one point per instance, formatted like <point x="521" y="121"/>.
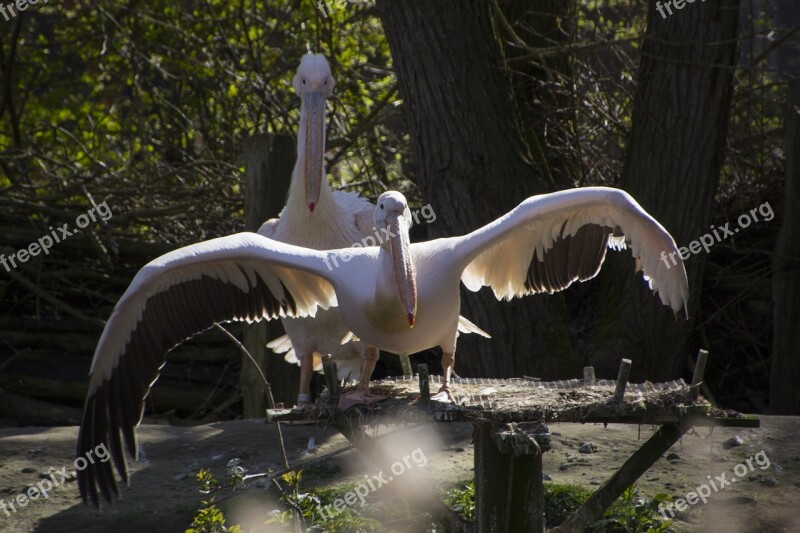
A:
<point x="8" y="11"/>
<point x="56" y="479"/>
<point x="56" y="235"/>
<point x="704" y="490"/>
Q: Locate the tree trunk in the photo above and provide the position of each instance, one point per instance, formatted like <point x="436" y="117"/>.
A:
<point x="472" y="165"/>
<point x="784" y="398"/>
<point x="675" y="153"/>
<point x="541" y="86"/>
<point x="268" y="162"/>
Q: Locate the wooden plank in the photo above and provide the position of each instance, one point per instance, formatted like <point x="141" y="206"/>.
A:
<point x="695" y="415"/>
<point x="636" y="465"/>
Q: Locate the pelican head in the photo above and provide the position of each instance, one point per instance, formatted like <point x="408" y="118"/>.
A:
<point x="313" y="83"/>
<point x="393" y="215"/>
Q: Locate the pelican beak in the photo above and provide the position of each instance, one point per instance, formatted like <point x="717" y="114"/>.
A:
<point x="403" y="266"/>
<point x="314" y="145"/>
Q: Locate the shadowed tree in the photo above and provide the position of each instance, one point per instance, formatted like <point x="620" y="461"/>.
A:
<point x="784" y="396"/>
<point x="672" y="168"/>
<point x="473" y="164"/>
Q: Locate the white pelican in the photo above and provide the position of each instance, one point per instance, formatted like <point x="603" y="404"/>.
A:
<point x="317" y="217"/>
<point x="399" y="297"/>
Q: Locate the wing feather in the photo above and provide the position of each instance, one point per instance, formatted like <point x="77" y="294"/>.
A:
<point x="550" y="241"/>
<point x="242" y="277"/>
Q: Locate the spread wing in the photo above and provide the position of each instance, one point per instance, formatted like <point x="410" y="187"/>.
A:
<point x="241" y="277"/>
<point x="550" y="241"/>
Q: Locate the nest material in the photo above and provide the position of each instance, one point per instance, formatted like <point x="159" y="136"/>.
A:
<point x="523" y="400"/>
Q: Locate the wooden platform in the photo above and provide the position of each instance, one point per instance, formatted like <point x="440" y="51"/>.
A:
<point x="510" y="417"/>
<point x="525" y="400"/>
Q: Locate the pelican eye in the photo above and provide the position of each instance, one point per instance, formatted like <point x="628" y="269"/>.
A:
<point x="381" y="205"/>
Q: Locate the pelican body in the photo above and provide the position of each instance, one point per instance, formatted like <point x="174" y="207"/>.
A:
<point x="319" y="218"/>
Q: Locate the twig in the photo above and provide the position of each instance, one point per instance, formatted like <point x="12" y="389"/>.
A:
<point x="322" y="458"/>
<point x="291" y="502"/>
<point x="267" y="388"/>
<point x="58" y="304"/>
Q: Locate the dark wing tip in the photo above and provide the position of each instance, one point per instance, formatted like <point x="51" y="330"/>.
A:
<point x="117" y="405"/>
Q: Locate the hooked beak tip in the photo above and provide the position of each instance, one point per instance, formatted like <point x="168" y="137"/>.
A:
<point x="311" y="206"/>
<point x="411" y="320"/>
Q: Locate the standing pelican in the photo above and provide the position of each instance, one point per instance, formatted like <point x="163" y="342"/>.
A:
<point x="317" y="217"/>
<point x="399" y="297"/>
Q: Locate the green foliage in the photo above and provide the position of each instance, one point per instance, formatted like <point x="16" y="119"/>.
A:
<point x="313" y="507"/>
<point x="462" y="500"/>
<point x="561" y="500"/>
<point x="632" y="514"/>
<point x="149" y="106"/>
<point x="629" y="514"/>
<point x="209" y="519"/>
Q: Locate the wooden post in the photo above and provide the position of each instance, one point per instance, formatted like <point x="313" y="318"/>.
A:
<point x="638" y="463"/>
<point x="424" y="383"/>
<point x="331" y="378"/>
<point x="509" y="494"/>
<point x="622" y="379"/>
<point x="588" y="376"/>
<point x="699" y="371"/>
<point x="405" y="364"/>
<point x="268" y="165"/>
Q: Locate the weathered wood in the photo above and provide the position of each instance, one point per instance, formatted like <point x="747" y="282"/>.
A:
<point x="588" y="375"/>
<point x="523" y="401"/>
<point x="622" y="379"/>
<point x="27" y="411"/>
<point x="268" y="173"/>
<point x="509" y="495"/>
<point x="636" y="465"/>
<point x="331" y="378"/>
<point x="424" y="383"/>
<point x="699" y="372"/>
<point x="405" y="364"/>
<point x="167" y="395"/>
<point x="508" y="456"/>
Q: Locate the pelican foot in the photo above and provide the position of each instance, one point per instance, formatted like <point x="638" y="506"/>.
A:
<point x="443" y="395"/>
<point x="301" y="408"/>
<point x="356" y="397"/>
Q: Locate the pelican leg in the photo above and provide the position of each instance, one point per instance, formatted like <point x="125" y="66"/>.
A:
<point x="368" y="360"/>
<point x="444" y="395"/>
<point x="361" y="395"/>
<point x="306" y="371"/>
